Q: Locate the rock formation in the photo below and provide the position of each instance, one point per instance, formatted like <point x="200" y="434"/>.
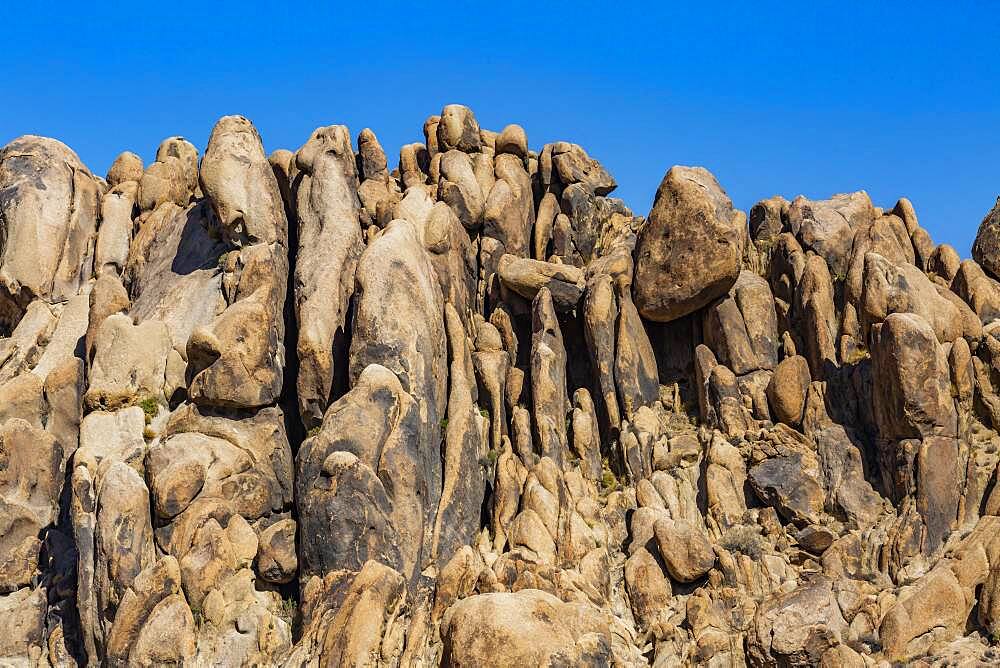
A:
<point x="302" y="409"/>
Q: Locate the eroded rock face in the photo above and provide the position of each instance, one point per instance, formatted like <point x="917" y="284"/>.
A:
<point x="48" y="214"/>
<point x="238" y="359"/>
<point x="330" y="243"/>
<point x="30" y="486"/>
<point x="363" y="490"/>
<point x="911" y="393"/>
<point x="314" y="408"/>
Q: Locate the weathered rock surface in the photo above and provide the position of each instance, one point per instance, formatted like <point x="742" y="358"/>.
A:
<point x="48" y="213"/>
<point x="690" y="250"/>
<point x="315" y="409"/>
<point x="330" y="243"/>
<point x="529" y="627"/>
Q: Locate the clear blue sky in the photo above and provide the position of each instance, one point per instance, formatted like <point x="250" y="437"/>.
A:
<point x="895" y="98"/>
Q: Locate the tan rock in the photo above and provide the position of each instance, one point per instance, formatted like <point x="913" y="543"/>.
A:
<point x="163" y="181"/>
<point x="526" y="277"/>
<point x="129" y="362"/>
<point x="768" y="219"/>
<point x="49" y="215"/>
<point x="330" y="244"/>
<point x="911" y="383"/>
<point x="571" y="164"/>
<point x="648" y="588"/>
<point x="115" y="233"/>
<point x="277" y="560"/>
<point x="512" y="139"/>
<point x="827" y="227"/>
<point x="689" y="252"/>
<point x="550" y="402"/>
<point x="786" y="392"/>
<point x="126" y="167"/>
<point x="183" y="150"/>
<point x="905" y="289"/>
<point x="798" y="627"/>
<point x="685" y="549"/>
<point x="371" y="430"/>
<point x="526" y="628"/>
<point x="30" y="483"/>
<point x="240" y="183"/>
<point x="22" y="614"/>
<point x="460" y="190"/>
<point x="458" y="129"/>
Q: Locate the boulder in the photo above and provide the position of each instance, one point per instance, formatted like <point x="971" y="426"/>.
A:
<point x="903" y="288"/>
<point x="526" y="277"/>
<point x="185" y="151"/>
<point x="174" y="280"/>
<point x="509" y="212"/>
<point x="351" y="618"/>
<point x="399" y="324"/>
<point x="689" y="252"/>
<point x="768" y="218"/>
<point x="512" y="139"/>
<point x="457" y="129"/>
<point x="239" y="182"/>
<point x="31" y="480"/>
<point x="827" y="227"/>
<point x="571" y="164"/>
<point x="463" y="488"/>
<point x="742" y="328"/>
<point x="799" y="627"/>
<point x="986" y="247"/>
<point x="525" y="628"/>
<point x="911" y="389"/>
<point x="115" y="233"/>
<point x="458" y="188"/>
<point x="685" y="549"/>
<point x="48" y="216"/>
<point x="786" y="391"/>
<point x="164" y="182"/>
<point x="238" y="359"/>
<point x="126" y="167"/>
<point x="128" y="364"/>
<point x="596" y="225"/>
<point x="979" y="291"/>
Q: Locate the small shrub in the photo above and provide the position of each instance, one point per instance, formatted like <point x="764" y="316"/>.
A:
<point x="764" y="246"/>
<point x="149" y="407"/>
<point x="444" y="423"/>
<point x="313" y="431"/>
<point x="745" y="540"/>
<point x="287" y="609"/>
<point x="609" y="482"/>
<point x="489" y="459"/>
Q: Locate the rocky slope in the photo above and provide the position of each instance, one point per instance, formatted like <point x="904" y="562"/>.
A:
<point x="302" y="410"/>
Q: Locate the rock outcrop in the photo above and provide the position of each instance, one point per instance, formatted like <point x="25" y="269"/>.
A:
<point x="315" y="409"/>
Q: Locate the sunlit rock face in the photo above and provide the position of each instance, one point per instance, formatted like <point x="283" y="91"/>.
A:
<point x="312" y="408"/>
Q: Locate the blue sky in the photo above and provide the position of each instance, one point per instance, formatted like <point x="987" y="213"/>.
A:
<point x="895" y="98"/>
